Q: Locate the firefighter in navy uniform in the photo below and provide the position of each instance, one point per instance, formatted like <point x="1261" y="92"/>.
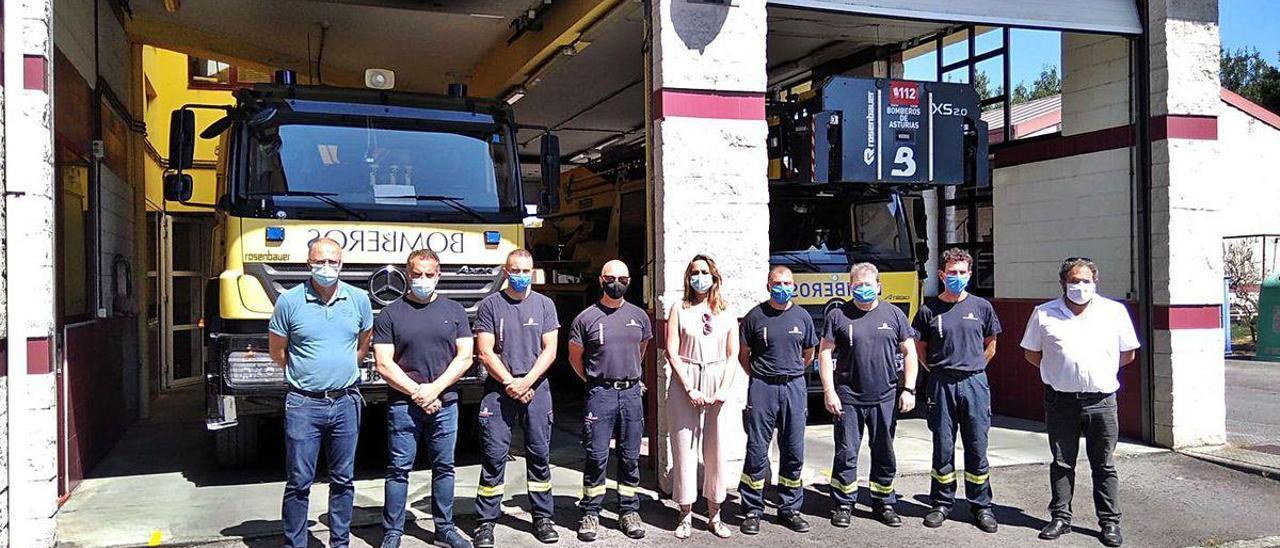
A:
<point x="516" y="331"/>
<point x="957" y="337"/>
<point x="866" y="335"/>
<point x="606" y="344"/>
<point x="778" y="338"/>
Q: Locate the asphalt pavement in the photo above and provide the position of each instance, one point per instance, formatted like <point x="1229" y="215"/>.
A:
<point x="1169" y="500"/>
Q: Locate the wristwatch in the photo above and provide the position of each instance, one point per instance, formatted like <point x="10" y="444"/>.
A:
<point x="911" y="391"/>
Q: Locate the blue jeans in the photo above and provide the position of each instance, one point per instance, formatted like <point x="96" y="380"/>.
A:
<point x="406" y="424"/>
<point x="309" y="424"/>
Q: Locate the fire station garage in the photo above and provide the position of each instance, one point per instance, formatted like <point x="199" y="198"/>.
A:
<point x="141" y="266"/>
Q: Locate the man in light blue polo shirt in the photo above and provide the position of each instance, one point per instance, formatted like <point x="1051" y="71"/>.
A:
<point x="320" y="333"/>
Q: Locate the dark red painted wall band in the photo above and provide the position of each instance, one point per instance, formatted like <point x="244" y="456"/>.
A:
<point x="723" y="105"/>
<point x="35" y="73"/>
<point x="1053" y="147"/>
<point x="1194" y="316"/>
<point x="1203" y="128"/>
<point x="39" y="359"/>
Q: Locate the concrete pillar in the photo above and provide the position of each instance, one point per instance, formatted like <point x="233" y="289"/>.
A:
<point x="29" y="230"/>
<point x="709" y="165"/>
<point x="1188" y="390"/>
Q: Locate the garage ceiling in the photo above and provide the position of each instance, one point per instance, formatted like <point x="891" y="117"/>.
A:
<point x="590" y="98"/>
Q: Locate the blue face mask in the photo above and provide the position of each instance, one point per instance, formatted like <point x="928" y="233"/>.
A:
<point x="519" y="282"/>
<point x="956" y="283"/>
<point x="325" y="275"/>
<point x="782" y="294"/>
<point x="423" y="287"/>
<point x="865" y="294"/>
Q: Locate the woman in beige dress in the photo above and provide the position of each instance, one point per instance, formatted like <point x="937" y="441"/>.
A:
<point x="702" y="348"/>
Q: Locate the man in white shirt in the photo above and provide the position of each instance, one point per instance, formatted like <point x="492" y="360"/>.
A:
<point x="1079" y="342"/>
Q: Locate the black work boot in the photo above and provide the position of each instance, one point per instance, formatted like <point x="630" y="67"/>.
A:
<point x="888" y="516"/>
<point x="842" y="517"/>
<point x="935" y="517"/>
<point x="985" y="519"/>
<point x="751" y="525"/>
<point x="793" y="521"/>
<point x="1056" y="528"/>
<point x="545" y="531"/>
<point x="1111" y="535"/>
<point x="483" y="537"/>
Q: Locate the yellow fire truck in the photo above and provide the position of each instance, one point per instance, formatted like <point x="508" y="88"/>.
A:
<point x="382" y="173"/>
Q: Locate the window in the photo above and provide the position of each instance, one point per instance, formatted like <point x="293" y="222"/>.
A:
<point x="74" y="236"/>
<point x="208" y="73"/>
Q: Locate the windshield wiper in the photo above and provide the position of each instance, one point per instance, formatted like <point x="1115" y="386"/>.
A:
<point x="322" y="196"/>
<point x="453" y="202"/>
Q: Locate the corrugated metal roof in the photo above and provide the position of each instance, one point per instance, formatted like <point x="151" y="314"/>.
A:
<point x="1022" y="112"/>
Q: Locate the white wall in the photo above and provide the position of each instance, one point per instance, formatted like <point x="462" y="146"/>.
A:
<point x="1248" y="174"/>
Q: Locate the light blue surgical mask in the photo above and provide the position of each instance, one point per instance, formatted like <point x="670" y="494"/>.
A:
<point x="519" y="282"/>
<point x="701" y="282"/>
<point x="782" y="294"/>
<point x="324" y="274"/>
<point x="865" y="294"/>
<point x="423" y="287"/>
<point x="956" y="283"/>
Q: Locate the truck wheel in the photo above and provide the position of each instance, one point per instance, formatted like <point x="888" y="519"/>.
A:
<point x="237" y="446"/>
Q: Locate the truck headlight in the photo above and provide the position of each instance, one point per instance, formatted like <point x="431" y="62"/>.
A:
<point x="253" y="368"/>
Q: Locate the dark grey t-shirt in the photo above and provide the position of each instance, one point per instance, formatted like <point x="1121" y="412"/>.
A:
<point x="517" y="326"/>
<point x="425" y="336"/>
<point x="610" y="340"/>
<point x="776" y="339"/>
<point x="866" y="353"/>
<point x="956" y="332"/>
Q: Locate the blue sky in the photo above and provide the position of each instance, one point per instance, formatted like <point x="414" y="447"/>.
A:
<point x="1243" y="23"/>
<point x="1251" y="23"/>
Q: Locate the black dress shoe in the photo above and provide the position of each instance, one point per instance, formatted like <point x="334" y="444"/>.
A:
<point x="793" y="521"/>
<point x="935" y="518"/>
<point x="1056" y="528"/>
<point x="985" y="519"/>
<point x="483" y="537"/>
<point x="751" y="525"/>
<point x="545" y="531"/>
<point x="1111" y="535"/>
<point x="842" y="517"/>
<point x="887" y="516"/>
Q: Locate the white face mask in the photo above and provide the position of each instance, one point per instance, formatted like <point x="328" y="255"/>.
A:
<point x="1081" y="293"/>
<point x="701" y="282"/>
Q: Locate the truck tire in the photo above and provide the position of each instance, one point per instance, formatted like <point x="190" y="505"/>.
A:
<point x="237" y="447"/>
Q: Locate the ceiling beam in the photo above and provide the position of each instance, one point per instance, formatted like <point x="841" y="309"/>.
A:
<point x="231" y="49"/>
<point x="566" y="20"/>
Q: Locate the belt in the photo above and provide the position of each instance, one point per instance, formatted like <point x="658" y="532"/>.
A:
<point x="776" y="379"/>
<point x="327" y="394"/>
<point x="616" y="384"/>
<point x="1078" y="395"/>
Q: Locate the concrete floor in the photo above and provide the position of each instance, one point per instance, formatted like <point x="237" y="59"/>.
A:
<point x="159" y="485"/>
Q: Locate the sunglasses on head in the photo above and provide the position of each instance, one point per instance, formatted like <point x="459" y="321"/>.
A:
<point x="706" y="323"/>
<point x="1074" y="259"/>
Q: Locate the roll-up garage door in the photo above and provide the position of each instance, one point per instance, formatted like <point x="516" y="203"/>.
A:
<point x="1104" y="16"/>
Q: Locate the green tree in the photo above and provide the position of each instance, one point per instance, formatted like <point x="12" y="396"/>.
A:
<point x="1244" y="71"/>
<point x="1047" y="84"/>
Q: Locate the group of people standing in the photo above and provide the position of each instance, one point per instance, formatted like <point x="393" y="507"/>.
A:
<point x="867" y="354"/>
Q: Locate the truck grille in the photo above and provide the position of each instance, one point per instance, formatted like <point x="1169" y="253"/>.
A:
<point x="463" y="283"/>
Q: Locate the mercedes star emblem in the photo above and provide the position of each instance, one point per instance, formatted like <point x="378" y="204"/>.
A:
<point x="387" y="284"/>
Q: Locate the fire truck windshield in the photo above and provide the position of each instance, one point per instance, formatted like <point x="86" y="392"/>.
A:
<point x="382" y="171"/>
<point x="826" y="233"/>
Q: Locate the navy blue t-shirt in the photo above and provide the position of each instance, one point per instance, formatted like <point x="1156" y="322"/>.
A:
<point x="517" y="326"/>
<point x="956" y="332"/>
<point x="425" y="336"/>
<point x="610" y="339"/>
<point x="866" y="351"/>
<point x="776" y="339"/>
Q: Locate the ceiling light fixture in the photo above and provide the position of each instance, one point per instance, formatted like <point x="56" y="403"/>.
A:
<point x="516" y="93"/>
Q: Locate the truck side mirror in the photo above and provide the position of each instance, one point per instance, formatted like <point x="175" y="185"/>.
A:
<point x="178" y="187"/>
<point x="182" y="139"/>
<point x="550" y="159"/>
